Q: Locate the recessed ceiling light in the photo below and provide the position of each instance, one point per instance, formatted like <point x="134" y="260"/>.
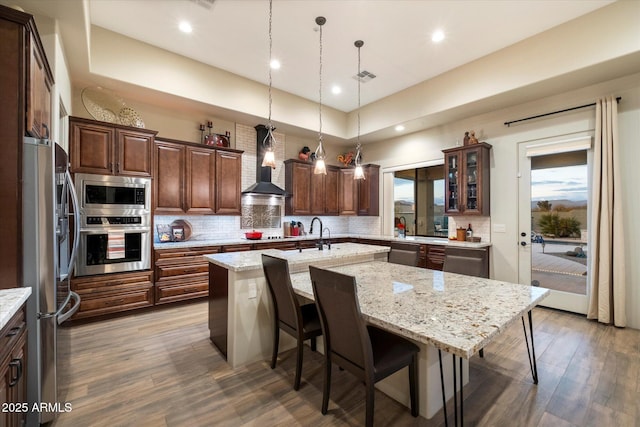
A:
<point x="336" y="90"/>
<point x="275" y="64"/>
<point x="185" y="27"/>
<point x="437" y="36"/>
<point x="399" y="128"/>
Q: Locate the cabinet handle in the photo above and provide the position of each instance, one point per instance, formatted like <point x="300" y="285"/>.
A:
<point x="17" y="364"/>
<point x="14" y="331"/>
<point x="118" y="167"/>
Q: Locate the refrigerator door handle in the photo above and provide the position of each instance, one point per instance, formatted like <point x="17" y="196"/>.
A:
<point x="76" y="305"/>
<point x="76" y="223"/>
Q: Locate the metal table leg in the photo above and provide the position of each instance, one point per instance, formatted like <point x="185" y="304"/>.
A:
<point x="531" y="353"/>
<point x="456" y="382"/>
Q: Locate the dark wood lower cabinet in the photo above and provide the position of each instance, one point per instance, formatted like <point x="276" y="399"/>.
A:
<point x="113" y="293"/>
<point x="181" y="274"/>
<point x="218" y="306"/>
<point x="13" y="371"/>
<point x="434" y="256"/>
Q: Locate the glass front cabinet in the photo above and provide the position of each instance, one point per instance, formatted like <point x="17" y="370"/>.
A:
<point x="467" y="180"/>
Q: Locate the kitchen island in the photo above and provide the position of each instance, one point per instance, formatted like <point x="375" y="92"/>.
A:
<point x="240" y="307"/>
<point x="440" y="311"/>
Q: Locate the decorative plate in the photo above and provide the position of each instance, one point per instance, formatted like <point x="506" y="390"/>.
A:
<point x="106" y="106"/>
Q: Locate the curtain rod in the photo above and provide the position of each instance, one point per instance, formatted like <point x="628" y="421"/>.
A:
<point x="508" y="124"/>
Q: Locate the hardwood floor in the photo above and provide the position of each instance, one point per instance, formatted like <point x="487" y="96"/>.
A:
<point x="160" y="369"/>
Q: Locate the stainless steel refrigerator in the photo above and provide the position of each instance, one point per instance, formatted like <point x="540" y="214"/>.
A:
<point x="48" y="255"/>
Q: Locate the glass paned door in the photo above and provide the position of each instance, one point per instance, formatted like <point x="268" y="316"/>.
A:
<point x="553" y="226"/>
<point x="452" y="182"/>
<point x="471" y="184"/>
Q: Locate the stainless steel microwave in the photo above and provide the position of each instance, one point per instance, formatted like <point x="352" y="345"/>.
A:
<point x="107" y="193"/>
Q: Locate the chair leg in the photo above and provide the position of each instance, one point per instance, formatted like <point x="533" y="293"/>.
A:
<point x="276" y="343"/>
<point x="313" y="343"/>
<point x="413" y="386"/>
<point x="370" y="404"/>
<point x="296" y="383"/>
<point x="327" y="385"/>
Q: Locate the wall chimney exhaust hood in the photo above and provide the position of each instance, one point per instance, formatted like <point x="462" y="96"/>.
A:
<point x="263" y="185"/>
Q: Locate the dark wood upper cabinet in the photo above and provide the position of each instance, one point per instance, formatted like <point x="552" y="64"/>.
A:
<point x="134" y="150"/>
<point x="228" y="182"/>
<point x="200" y="181"/>
<point x="169" y="175"/>
<point x="25" y="108"/>
<point x="348" y="192"/>
<point x="335" y="193"/>
<point x="39" y="98"/>
<point x="311" y="194"/>
<point x="108" y="149"/>
<point x="368" y="191"/>
<point x="298" y="185"/>
<point x="196" y="179"/>
<point x="332" y="191"/>
<point x="467" y="180"/>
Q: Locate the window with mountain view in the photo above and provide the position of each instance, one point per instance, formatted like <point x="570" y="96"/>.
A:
<point x="419" y="201"/>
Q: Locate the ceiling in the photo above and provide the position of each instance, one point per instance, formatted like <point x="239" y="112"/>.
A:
<point x="233" y="35"/>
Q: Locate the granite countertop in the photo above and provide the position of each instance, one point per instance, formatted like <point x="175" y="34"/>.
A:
<point x="458" y="314"/>
<point x="10" y="302"/>
<point x="410" y="239"/>
<point x="252" y="260"/>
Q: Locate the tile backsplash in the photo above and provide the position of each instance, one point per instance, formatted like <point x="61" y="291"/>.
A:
<point x="481" y="226"/>
<point x="212" y="227"/>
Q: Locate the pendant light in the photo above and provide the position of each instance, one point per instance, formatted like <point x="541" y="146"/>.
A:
<point x="269" y="141"/>
<point x="320" y="167"/>
<point x="359" y="173"/>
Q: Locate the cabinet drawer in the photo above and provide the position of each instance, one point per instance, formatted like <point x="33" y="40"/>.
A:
<point x="112" y="293"/>
<point x="96" y="305"/>
<point x="177" y="254"/>
<point x="11" y="333"/>
<point x="237" y="248"/>
<point x="183" y="288"/>
<point x="193" y="267"/>
<point x="283" y="246"/>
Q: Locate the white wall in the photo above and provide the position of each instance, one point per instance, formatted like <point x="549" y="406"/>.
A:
<point x="426" y="146"/>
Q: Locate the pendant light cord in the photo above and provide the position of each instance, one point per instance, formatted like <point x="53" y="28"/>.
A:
<point x="270" y="49"/>
<point x="358" y="44"/>
<point x="320" y="91"/>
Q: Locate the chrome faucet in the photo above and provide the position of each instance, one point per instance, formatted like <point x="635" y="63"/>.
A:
<point x="320" y="243"/>
<point x="329" y="240"/>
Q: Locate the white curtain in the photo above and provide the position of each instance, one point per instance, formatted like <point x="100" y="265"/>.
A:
<point x="607" y="280"/>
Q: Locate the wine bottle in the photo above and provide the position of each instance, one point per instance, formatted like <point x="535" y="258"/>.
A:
<point x="469" y="232"/>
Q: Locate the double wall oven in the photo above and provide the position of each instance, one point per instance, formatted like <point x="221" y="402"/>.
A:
<point x="115" y="224"/>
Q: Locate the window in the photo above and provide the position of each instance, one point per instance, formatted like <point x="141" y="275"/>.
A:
<point x="419" y="201"/>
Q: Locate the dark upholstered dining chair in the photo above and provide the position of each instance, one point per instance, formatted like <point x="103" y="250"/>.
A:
<point x="464" y="265"/>
<point x="368" y="352"/>
<point x="469" y="266"/>
<point x="404" y="253"/>
<point x="300" y="321"/>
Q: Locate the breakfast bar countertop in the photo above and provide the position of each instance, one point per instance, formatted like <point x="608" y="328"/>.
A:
<point x="388" y="238"/>
<point x="455" y="313"/>
<point x="252" y="260"/>
<point x="10" y="302"/>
